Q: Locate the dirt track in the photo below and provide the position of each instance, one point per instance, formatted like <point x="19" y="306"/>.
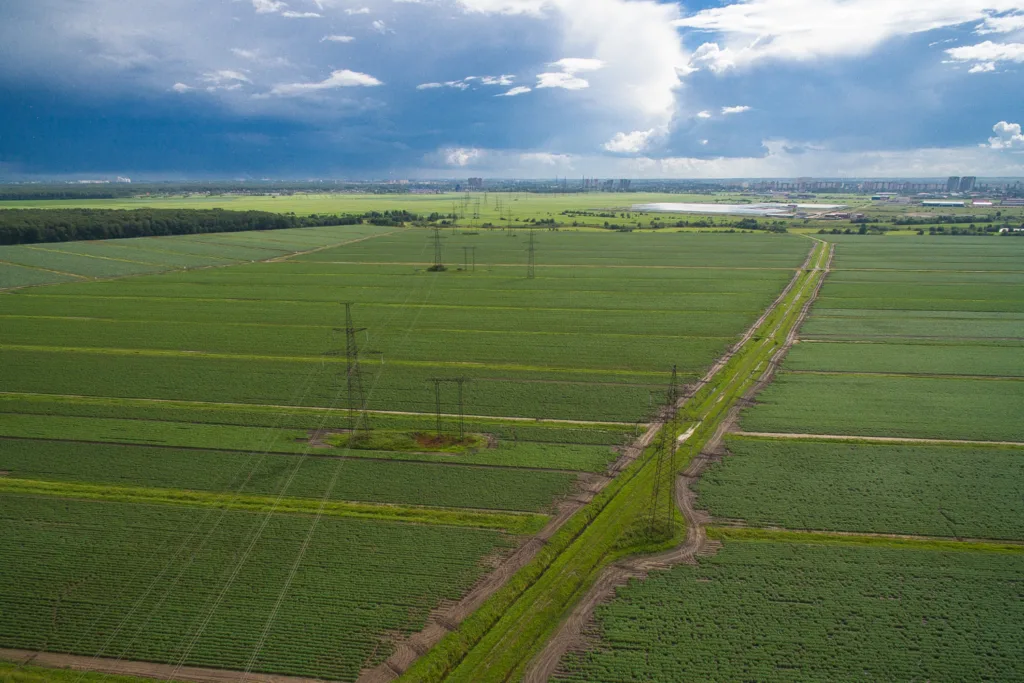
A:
<point x="877" y="439"/>
<point x="144" y="669"/>
<point x="570" y="633"/>
<point x="447" y="619"/>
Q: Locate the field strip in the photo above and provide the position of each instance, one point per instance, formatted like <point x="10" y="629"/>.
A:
<point x="44" y="270"/>
<point x="929" y="270"/>
<point x="545" y="265"/>
<point x="783" y="436"/>
<point x="450" y="460"/>
<point x="513" y="522"/>
<point x="457" y="330"/>
<point x="122" y="667"/>
<point x="163" y="268"/>
<point x="173" y="353"/>
<point x="907" y="375"/>
<point x="338" y="244"/>
<point x="856" y="538"/>
<point x="64" y="252"/>
<point x="384" y="304"/>
<point x="944" y="340"/>
<point x="272" y="406"/>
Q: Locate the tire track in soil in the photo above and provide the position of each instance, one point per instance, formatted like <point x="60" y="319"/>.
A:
<point x="570" y="634"/>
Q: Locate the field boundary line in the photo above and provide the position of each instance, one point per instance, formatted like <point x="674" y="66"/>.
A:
<point x="278" y="259"/>
<point x="322" y="455"/>
<point x="431" y="515"/>
<point x="754" y="534"/>
<point x="385" y="304"/>
<point x="549" y="265"/>
<point x="36" y="247"/>
<point x="498" y="418"/>
<point x="151" y="670"/>
<point x="525" y="333"/>
<point x="40" y="268"/>
<point x="217" y="355"/>
<point x="908" y="375"/>
<point x="794" y="436"/>
<point x="162" y="268"/>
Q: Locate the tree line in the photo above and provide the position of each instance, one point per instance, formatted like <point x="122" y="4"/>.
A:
<point x="31" y="226"/>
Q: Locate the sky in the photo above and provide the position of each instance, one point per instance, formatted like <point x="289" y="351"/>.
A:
<point x="373" y="89"/>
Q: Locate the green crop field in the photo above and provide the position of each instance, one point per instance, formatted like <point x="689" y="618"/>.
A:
<point x="831" y="568"/>
<point x="789" y="611"/>
<point x="882" y="488"/>
<point x="174" y="445"/>
<point x="150" y="582"/>
<point x="51" y="263"/>
<point x="180" y="482"/>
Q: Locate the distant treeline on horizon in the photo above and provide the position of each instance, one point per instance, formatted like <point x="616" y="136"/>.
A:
<point x="32" y="226"/>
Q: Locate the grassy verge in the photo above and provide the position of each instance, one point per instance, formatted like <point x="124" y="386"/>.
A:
<point x="497" y="641"/>
<point x="505" y="521"/>
<point x="13" y="673"/>
<point x="743" y="534"/>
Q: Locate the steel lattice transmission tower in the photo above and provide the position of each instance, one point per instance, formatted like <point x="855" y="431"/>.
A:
<point x="438" y="265"/>
<point x="531" y="257"/>
<point x="358" y="417"/>
<point x="461" y="383"/>
<point x="673" y="389"/>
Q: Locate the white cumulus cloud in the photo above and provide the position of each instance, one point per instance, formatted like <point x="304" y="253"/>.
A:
<point x="630" y="143"/>
<point x="1003" y="24"/>
<point x="268" y="6"/>
<point x="181" y="87"/>
<point x="739" y="109"/>
<point x="300" y="15"/>
<point x="808" y="29"/>
<point x="518" y="90"/>
<point x="704" y="114"/>
<point x="987" y="53"/>
<point x="641" y="52"/>
<point x="504" y="79"/>
<point x="982" y="67"/>
<point x="337" y="39"/>
<point x="361" y="10"/>
<point x="461" y="156"/>
<point x="566" y="78"/>
<point x="1007" y="136"/>
<point x="342" y="78"/>
<point x="531" y="7"/>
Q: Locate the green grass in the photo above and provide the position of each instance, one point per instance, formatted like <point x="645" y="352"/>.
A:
<point x="516" y="432"/>
<point x="982" y="410"/>
<point x="877" y="488"/>
<point x="443" y="483"/>
<point x="882" y="325"/>
<point x="15" y="673"/>
<point x="138" y="581"/>
<point x="792" y="611"/>
<point x="20" y="276"/>
<point x="144" y="255"/>
<point x="929" y="359"/>
<point x="280" y="504"/>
